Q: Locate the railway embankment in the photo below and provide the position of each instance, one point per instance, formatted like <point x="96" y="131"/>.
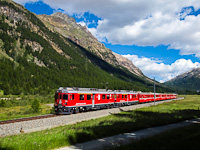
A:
<point x="47" y="123"/>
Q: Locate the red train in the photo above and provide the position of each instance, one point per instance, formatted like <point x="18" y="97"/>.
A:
<point x="71" y="100"/>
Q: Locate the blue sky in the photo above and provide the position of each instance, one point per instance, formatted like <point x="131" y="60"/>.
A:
<point x="161" y="38"/>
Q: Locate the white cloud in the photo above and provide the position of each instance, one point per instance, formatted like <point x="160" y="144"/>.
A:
<point x="82" y="23"/>
<point x="25" y="1"/>
<point x="162" y="72"/>
<point x="141" y="22"/>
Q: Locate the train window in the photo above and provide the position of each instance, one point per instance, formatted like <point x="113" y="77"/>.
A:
<point x="103" y="96"/>
<point x="107" y="96"/>
<point x="72" y="96"/>
<point x="88" y="97"/>
<point x="81" y="96"/>
<point x="125" y="96"/>
<point x="122" y="96"/>
<point x="65" y="96"/>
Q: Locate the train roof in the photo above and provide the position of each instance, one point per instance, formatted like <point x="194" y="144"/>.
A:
<point x="92" y="90"/>
<point x="102" y="91"/>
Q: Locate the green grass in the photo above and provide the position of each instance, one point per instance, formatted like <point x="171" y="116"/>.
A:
<point x="19" y="106"/>
<point x="166" y="113"/>
<point x="186" y="138"/>
<point x="22" y="111"/>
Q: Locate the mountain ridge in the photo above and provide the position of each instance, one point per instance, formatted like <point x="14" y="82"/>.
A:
<point x="68" y="27"/>
<point x="189" y="80"/>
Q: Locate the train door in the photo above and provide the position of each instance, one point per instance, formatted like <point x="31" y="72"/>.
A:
<point x="115" y="98"/>
<point x="93" y="95"/>
<point x="127" y="98"/>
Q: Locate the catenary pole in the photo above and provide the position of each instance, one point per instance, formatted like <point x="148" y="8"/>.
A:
<point x="154" y="90"/>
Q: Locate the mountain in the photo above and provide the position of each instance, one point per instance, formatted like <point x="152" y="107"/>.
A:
<point x="189" y="80"/>
<point x="68" y="27"/>
<point x="36" y="59"/>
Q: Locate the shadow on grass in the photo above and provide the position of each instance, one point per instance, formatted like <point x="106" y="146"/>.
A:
<point x="128" y="122"/>
<point x="184" y="138"/>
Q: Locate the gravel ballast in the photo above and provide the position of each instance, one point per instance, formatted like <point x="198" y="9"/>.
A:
<point x="47" y="123"/>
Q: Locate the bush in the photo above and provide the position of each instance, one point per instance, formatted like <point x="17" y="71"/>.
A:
<point x="9" y="114"/>
<point x="2" y="103"/>
<point x="52" y="111"/>
<point x="35" y="105"/>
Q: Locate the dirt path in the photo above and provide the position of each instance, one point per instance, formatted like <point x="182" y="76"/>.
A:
<point x="126" y="138"/>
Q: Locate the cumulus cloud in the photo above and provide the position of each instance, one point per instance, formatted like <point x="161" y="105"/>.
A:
<point x="25" y="1"/>
<point x="152" y="67"/>
<point x="141" y="22"/>
<point x="82" y="23"/>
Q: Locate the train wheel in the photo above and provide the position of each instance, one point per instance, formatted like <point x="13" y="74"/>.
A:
<point x="80" y="110"/>
<point x="84" y="109"/>
<point x="76" y="110"/>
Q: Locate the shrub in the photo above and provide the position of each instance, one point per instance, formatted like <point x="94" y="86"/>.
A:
<point x="35" y="105"/>
<point x="2" y="103"/>
<point x="52" y="111"/>
<point x="9" y="114"/>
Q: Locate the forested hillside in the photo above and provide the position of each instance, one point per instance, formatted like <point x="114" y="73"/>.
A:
<point x="35" y="60"/>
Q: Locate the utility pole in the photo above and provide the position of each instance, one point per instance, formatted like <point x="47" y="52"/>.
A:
<point x="106" y="86"/>
<point x="154" y="90"/>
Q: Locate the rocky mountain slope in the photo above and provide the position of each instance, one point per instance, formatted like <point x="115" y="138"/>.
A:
<point x="189" y="80"/>
<point x="35" y="59"/>
<point x="68" y="27"/>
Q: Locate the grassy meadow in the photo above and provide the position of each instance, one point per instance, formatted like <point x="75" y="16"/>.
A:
<point x="162" y="114"/>
<point x="22" y="111"/>
<point x="20" y="106"/>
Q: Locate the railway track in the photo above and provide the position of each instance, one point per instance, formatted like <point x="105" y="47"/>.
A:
<point x="39" y="123"/>
<point x="40" y="117"/>
<point x="27" y="119"/>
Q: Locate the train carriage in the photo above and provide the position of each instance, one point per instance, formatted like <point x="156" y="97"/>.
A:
<point x="125" y="98"/>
